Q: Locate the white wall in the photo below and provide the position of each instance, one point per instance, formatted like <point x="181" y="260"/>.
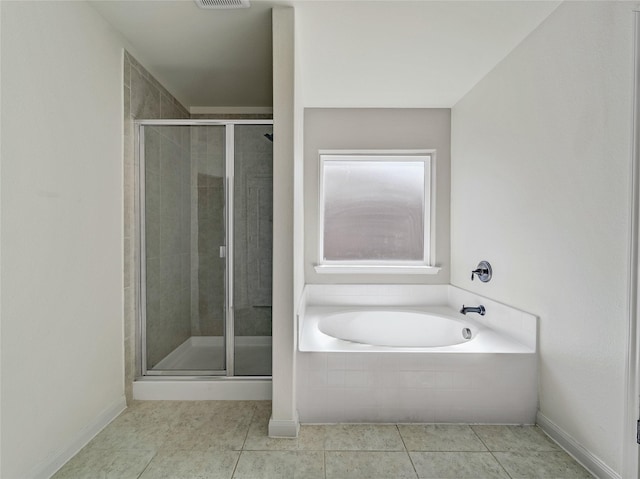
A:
<point x="298" y="180"/>
<point x="284" y="421"/>
<point x="402" y="54"/>
<point x="61" y="224"/>
<point x="0" y="243"/>
<point x="540" y="188"/>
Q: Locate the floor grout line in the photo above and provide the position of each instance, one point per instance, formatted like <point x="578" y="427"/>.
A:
<point x="407" y="451"/>
<point x="501" y="465"/>
<point x="364" y="450"/>
<point x="490" y="452"/>
<point x="324" y="463"/>
<point x="155" y="454"/>
<point x="479" y="438"/>
<point x="253" y="415"/>
<point x="235" y="467"/>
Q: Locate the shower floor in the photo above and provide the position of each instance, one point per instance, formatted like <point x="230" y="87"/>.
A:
<point x="252" y="355"/>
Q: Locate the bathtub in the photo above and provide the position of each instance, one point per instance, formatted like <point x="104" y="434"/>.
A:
<point x="397" y="328"/>
<point x="427" y="329"/>
<point x="392" y="353"/>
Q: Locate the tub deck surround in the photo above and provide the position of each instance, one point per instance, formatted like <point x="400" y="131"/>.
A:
<point x="502" y="329"/>
<point x="494" y="381"/>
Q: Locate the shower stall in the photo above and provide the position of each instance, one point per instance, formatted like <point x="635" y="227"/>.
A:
<point x="205" y="243"/>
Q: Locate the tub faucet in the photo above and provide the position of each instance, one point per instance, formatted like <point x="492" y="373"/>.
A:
<point x="473" y="309"/>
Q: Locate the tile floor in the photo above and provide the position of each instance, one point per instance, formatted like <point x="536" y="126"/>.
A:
<point x="228" y="439"/>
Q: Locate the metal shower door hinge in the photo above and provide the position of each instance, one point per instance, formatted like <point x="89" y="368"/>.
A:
<point x="638" y="431"/>
<point x="223" y="251"/>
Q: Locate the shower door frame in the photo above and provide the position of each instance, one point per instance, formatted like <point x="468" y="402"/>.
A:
<point x="228" y="373"/>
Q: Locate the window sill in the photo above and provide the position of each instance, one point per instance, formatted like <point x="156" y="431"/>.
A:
<point x="375" y="269"/>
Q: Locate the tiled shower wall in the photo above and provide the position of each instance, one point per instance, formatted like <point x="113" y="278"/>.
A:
<point x="208" y="230"/>
<point x="168" y="239"/>
<point x="144" y="98"/>
<point x="253" y="230"/>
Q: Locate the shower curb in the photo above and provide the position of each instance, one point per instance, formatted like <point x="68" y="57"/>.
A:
<point x="213" y="389"/>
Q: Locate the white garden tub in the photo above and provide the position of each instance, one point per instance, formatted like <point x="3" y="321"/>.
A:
<point x="435" y="329"/>
<point x="394" y="353"/>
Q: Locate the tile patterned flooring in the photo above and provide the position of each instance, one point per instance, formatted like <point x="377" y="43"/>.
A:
<point x="228" y="439"/>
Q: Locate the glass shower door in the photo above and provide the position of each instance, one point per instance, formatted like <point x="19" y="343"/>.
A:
<point x="253" y="233"/>
<point x="205" y="208"/>
<point x="183" y="181"/>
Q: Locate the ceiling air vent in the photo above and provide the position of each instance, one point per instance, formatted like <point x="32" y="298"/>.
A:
<point x="223" y="3"/>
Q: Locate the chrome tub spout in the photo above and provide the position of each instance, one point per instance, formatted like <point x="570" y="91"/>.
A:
<point x="473" y="309"/>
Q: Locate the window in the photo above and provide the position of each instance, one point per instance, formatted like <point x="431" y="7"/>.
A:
<point x="375" y="213"/>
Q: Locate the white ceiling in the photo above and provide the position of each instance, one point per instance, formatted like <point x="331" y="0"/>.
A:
<point x="204" y="57"/>
<point x="222" y="58"/>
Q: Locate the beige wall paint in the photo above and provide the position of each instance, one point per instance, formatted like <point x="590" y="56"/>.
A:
<point x="540" y="188"/>
<point x="376" y="129"/>
<point x="61" y="222"/>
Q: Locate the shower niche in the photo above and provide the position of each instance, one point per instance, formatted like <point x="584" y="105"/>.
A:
<point x="205" y="241"/>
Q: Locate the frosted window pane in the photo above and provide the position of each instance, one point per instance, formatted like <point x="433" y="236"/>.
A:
<point x="374" y="210"/>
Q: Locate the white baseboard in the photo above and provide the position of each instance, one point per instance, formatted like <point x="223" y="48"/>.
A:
<point x="585" y="457"/>
<point x="287" y="428"/>
<point x="47" y="468"/>
<point x="203" y="390"/>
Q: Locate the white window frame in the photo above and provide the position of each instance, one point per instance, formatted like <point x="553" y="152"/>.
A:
<point x="426" y="264"/>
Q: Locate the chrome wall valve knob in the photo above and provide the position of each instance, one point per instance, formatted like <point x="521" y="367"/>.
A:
<point x="483" y="272"/>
